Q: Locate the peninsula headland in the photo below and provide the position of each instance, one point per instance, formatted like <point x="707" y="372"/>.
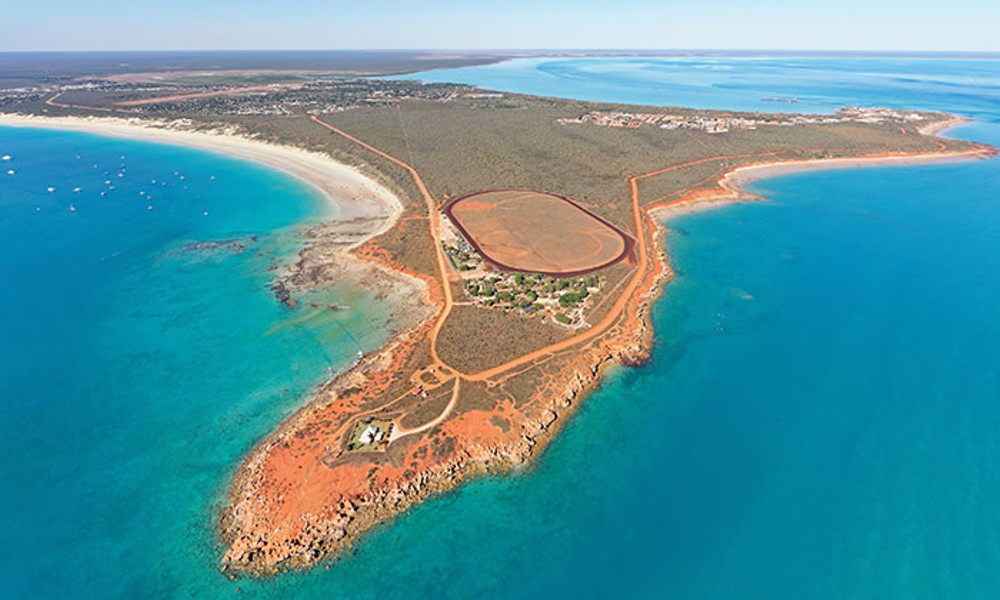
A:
<point x="440" y="191"/>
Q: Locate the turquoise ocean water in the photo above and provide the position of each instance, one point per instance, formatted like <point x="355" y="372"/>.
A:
<point x="819" y="419"/>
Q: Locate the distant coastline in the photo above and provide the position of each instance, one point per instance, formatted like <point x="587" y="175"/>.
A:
<point x="731" y="187"/>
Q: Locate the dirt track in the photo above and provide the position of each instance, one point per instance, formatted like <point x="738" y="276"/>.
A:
<point x="617" y="310"/>
<point x="287" y="510"/>
<point x="613" y="316"/>
<point x="530" y="230"/>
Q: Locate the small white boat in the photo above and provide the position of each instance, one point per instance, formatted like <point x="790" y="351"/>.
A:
<point x="150" y="207"/>
<point x="77" y="190"/>
<point x="72" y="208"/>
<point x="7" y="157"/>
<point x="51" y="189"/>
<point x="10" y="171"/>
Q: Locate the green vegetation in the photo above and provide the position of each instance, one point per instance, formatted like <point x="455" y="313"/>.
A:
<point x="530" y="293"/>
<point x="571" y="298"/>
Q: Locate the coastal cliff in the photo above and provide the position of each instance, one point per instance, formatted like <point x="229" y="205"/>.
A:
<point x="309" y="490"/>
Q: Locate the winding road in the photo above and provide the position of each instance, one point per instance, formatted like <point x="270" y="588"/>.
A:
<point x="496" y="374"/>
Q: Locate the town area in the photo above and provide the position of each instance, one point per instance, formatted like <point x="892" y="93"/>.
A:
<point x="723" y="124"/>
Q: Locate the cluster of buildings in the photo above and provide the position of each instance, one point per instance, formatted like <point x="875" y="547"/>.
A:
<point x="371" y="435"/>
<point x="879" y="114"/>
<point x="317" y="98"/>
<point x="278" y="99"/>
<point x="556" y="300"/>
<point x="723" y="124"/>
<point x="629" y="120"/>
<point x="11" y="97"/>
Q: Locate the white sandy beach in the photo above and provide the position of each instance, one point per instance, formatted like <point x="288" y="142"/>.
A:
<point x="731" y="187"/>
<point x="360" y="208"/>
<point x="351" y="193"/>
<point x="736" y="179"/>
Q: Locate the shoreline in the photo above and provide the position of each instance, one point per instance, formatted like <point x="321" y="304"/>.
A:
<point x="256" y="548"/>
<point x="939" y="127"/>
<point x="629" y="346"/>
<point x="349" y="194"/>
<point x="731" y="187"/>
<point x="356" y="208"/>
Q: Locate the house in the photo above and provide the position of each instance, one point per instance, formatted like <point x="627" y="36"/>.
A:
<point x="370" y="435"/>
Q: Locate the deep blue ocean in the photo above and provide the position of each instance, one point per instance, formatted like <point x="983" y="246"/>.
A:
<point x="819" y="419"/>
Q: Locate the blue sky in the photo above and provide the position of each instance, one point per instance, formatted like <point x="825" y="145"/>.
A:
<point x="969" y="25"/>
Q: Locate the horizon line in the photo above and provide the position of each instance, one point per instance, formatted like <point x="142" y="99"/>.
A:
<point x="519" y="51"/>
